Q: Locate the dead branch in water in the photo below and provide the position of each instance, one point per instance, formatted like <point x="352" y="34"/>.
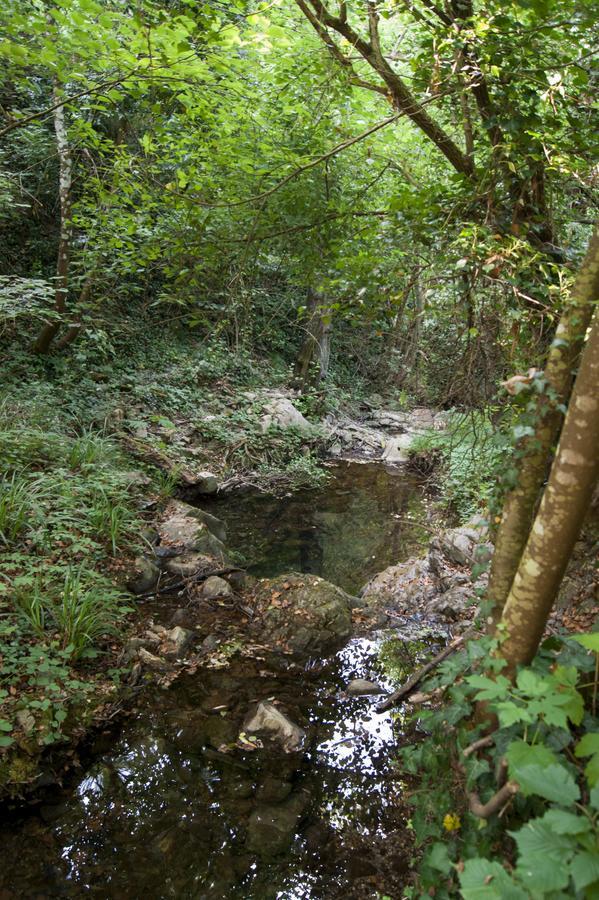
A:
<point x="406" y="689"/>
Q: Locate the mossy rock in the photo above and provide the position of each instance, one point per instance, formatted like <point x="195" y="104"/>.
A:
<point x="303" y="615"/>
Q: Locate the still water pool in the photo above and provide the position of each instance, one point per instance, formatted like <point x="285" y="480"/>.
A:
<point x="366" y="518"/>
<point x="170" y="807"/>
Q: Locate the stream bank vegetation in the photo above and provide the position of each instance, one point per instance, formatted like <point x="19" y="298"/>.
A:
<point x="210" y="211"/>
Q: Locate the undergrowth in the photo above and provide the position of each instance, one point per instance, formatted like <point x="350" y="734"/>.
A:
<point x="473" y="451"/>
<point x="67" y="507"/>
<point x="541" y="839"/>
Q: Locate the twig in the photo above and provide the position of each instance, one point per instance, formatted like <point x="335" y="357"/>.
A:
<point x="192" y="579"/>
<point x="497" y="801"/>
<point x="414" y="679"/>
<point x="486" y="741"/>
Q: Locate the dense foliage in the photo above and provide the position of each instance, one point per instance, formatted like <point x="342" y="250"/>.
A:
<point x="349" y="199"/>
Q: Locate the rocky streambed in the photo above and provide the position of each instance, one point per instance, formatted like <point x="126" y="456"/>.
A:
<point x="254" y="763"/>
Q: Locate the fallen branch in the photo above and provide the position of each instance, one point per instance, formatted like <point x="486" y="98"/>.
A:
<point x="417" y="677"/>
<point x="191" y="579"/>
<point x="495" y="804"/>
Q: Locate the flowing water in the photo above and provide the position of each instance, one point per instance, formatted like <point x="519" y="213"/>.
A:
<point x="169" y="806"/>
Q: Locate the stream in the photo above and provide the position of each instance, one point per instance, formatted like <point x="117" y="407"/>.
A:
<point x="170" y="805"/>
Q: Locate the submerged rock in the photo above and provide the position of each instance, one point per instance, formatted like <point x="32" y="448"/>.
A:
<point x="267" y="718"/>
<point x="273" y="789"/>
<point x="303" y="614"/>
<point x="271" y="827"/>
<point x="360" y="686"/>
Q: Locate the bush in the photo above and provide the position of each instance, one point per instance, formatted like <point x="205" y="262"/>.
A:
<point x="543" y="838"/>
<point x="473" y="452"/>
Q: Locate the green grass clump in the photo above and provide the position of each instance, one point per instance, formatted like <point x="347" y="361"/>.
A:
<point x="66" y="509"/>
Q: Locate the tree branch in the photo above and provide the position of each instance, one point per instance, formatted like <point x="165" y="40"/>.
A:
<point x="301" y="169"/>
<point x="417" y="677"/>
<point x="401" y="96"/>
<point x="497" y="801"/>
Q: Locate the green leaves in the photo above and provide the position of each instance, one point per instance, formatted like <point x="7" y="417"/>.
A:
<point x="590" y="641"/>
<point x="489" y="688"/>
<point x="589" y="746"/>
<point x="519" y="754"/>
<point x="482" y="879"/>
<point x="542" y="854"/>
<point x="550" y="698"/>
<point x="552" y="782"/>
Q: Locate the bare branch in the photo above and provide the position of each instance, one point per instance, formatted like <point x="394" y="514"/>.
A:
<point x="417" y="677"/>
<point x="486" y="741"/>
<point x="494" y="805"/>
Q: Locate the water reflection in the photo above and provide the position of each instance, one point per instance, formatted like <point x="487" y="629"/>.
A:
<point x="364" y="520"/>
<point x="172" y="811"/>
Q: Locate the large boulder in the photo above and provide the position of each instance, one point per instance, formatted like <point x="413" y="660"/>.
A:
<point x="452" y="604"/>
<point x="303" y="615"/>
<point x="188" y="564"/>
<point x="205" y="483"/>
<point x="185" y="528"/>
<point x="397" y="449"/>
<point x="281" y="411"/>
<point x="464" y="546"/>
<point x="407" y="582"/>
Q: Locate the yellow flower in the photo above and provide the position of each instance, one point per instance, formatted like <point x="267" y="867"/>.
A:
<point x="451" y="822"/>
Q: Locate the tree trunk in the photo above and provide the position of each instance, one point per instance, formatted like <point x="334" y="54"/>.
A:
<point x="75" y="329"/>
<point x="312" y="363"/>
<point x="561" y="514"/>
<point x="519" y="505"/>
<point x="65" y="162"/>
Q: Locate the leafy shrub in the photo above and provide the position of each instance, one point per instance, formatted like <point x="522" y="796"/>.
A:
<point x="473" y="452"/>
<point x="545" y="842"/>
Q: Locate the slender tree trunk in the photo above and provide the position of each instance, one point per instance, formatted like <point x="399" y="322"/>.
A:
<point x="561" y="514"/>
<point x="519" y="505"/>
<point x="412" y="343"/>
<point x="316" y="346"/>
<point x="75" y="329"/>
<point x="65" y="162"/>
